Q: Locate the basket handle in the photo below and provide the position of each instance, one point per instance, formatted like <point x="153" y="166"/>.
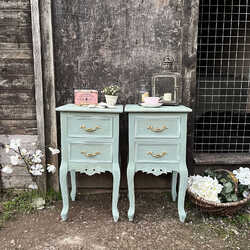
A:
<point x="233" y="178"/>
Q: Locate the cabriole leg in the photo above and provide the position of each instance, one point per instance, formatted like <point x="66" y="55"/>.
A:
<point x="115" y="195"/>
<point x="131" y="192"/>
<point x="182" y="192"/>
<point x="64" y="191"/>
<point x="174" y="183"/>
<point x="73" y="185"/>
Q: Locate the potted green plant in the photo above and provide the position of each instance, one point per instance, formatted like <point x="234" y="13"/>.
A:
<point x="110" y="93"/>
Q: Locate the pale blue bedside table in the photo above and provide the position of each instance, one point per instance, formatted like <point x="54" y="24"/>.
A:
<point x="157" y="145"/>
<point x="90" y="145"/>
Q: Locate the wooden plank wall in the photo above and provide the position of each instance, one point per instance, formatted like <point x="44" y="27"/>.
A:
<point x="17" y="96"/>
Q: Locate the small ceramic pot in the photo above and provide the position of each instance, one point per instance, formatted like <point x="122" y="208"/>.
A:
<point x="111" y="99"/>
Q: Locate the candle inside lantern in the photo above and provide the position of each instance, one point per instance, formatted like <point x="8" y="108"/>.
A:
<point x="167" y="97"/>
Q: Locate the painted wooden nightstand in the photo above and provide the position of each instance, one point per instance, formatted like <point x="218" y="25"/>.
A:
<point x="90" y="145"/>
<point x="157" y="145"/>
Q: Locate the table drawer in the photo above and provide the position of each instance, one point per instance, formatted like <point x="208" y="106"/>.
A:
<point x="157" y="127"/>
<point x="89" y="125"/>
<point x="90" y="152"/>
<point x="147" y="152"/>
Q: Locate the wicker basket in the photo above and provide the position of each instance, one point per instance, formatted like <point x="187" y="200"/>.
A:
<point x="225" y="209"/>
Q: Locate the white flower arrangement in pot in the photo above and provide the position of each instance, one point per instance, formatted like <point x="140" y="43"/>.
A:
<point x="110" y="93"/>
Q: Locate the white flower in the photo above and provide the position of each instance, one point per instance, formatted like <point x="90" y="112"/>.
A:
<point x="246" y="193"/>
<point x="7" y="170"/>
<point x="24" y="151"/>
<point x="36" y="157"/>
<point x="14" y="159"/>
<point x="51" y="168"/>
<point x="243" y="175"/>
<point x="206" y="187"/>
<point x="39" y="153"/>
<point x="54" y="151"/>
<point x="33" y="186"/>
<point x="36" y="169"/>
<point x="15" y="144"/>
<point x="7" y="148"/>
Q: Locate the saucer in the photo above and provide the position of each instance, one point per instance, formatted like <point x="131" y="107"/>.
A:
<point x="151" y="105"/>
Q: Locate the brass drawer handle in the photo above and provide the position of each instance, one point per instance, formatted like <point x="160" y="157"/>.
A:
<point x="157" y="129"/>
<point x="89" y="129"/>
<point x="157" y="155"/>
<point x="90" y="155"/>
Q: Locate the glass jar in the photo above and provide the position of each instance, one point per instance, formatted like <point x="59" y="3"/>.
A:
<point x="143" y="92"/>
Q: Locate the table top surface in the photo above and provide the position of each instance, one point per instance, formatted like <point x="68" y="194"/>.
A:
<point x="76" y="108"/>
<point x="134" y="108"/>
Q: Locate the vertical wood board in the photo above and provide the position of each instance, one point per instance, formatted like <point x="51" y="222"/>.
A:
<point x="49" y="86"/>
<point x="38" y="79"/>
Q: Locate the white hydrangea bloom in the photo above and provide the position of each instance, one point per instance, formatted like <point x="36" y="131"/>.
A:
<point x="37" y="169"/>
<point x="51" y="168"/>
<point x="7" y="170"/>
<point x="246" y="193"/>
<point x="243" y="175"/>
<point x="14" y="159"/>
<point x="206" y="187"/>
<point x="54" y="151"/>
<point x="15" y="144"/>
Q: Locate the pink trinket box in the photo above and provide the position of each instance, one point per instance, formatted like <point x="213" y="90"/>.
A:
<point x="86" y="96"/>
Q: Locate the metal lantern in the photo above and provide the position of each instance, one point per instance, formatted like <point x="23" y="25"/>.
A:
<point x="166" y="83"/>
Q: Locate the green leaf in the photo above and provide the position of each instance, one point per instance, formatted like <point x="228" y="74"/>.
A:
<point x="234" y="197"/>
<point x="223" y="180"/>
<point x="228" y="187"/>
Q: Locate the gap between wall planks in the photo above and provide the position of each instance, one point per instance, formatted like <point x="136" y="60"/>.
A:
<point x="38" y="78"/>
<point x="49" y="87"/>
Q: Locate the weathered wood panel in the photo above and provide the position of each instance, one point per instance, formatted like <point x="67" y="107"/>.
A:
<point x="15" y="46"/>
<point x="18" y="112"/>
<point x="142" y="181"/>
<point x="14" y="18"/>
<point x="49" y="86"/>
<point x="15" y="4"/>
<point x="16" y="97"/>
<point x="18" y="179"/>
<point x="38" y="77"/>
<point x="222" y="159"/>
<point x="15" y="54"/>
<point x="15" y="34"/>
<point x="11" y="82"/>
<point x="16" y="67"/>
<point x="17" y="101"/>
<point x="17" y="127"/>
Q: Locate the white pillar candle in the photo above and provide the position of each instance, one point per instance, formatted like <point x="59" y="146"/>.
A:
<point x="167" y="97"/>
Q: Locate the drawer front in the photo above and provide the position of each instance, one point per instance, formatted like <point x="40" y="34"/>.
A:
<point x="157" y="126"/>
<point x="146" y="152"/>
<point x="86" y="125"/>
<point x="90" y="152"/>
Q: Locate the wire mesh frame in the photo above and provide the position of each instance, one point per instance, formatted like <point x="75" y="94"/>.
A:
<point x="222" y="119"/>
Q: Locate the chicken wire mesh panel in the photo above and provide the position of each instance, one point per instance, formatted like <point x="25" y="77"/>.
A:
<point x="222" y="119"/>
